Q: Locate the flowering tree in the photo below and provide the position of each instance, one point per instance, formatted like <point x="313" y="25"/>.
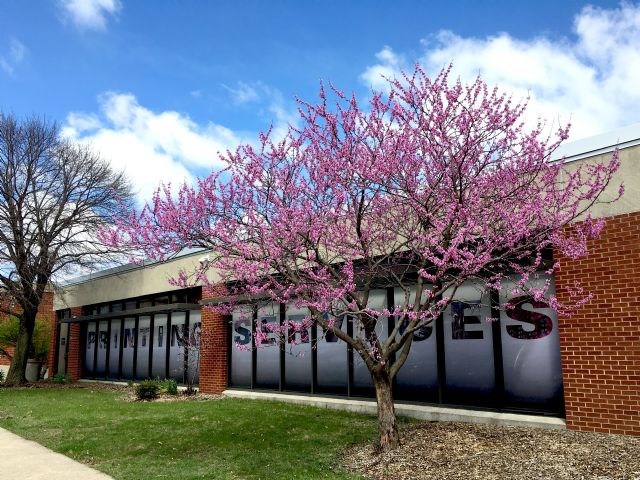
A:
<point x="430" y="186"/>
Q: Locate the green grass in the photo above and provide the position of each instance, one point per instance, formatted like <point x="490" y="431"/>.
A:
<point x="216" y="439"/>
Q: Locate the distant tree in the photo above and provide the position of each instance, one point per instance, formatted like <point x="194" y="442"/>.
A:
<point x="425" y="188"/>
<point x="54" y="196"/>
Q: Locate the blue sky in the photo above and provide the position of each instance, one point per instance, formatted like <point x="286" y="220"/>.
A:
<point x="159" y="86"/>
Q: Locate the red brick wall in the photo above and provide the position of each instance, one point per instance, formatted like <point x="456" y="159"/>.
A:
<point x="4" y="360"/>
<point x="213" y="350"/>
<point x="74" y="355"/>
<point x="45" y="313"/>
<point x="600" y="343"/>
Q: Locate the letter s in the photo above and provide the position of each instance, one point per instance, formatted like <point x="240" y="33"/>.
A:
<point x="244" y="337"/>
<point x="542" y="323"/>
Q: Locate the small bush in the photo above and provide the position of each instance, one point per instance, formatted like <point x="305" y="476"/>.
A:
<point x="40" y="342"/>
<point x="147" y="390"/>
<point x="61" y="378"/>
<point x="170" y="386"/>
<point x="1" y="376"/>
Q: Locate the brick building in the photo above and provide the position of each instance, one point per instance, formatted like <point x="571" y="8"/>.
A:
<point x="45" y="314"/>
<point x="129" y="323"/>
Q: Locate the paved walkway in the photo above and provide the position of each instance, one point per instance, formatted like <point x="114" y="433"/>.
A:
<point x="22" y="459"/>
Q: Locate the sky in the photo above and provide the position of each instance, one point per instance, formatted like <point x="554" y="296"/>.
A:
<point x="160" y="87"/>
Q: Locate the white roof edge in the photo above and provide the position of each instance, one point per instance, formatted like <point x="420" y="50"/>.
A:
<point x="625" y="137"/>
<point x="127" y="268"/>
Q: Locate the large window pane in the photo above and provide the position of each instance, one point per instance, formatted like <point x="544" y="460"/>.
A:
<point x="268" y="353"/>
<point x="418" y="377"/>
<point x="90" y="346"/>
<point x="530" y="348"/>
<point x="144" y="338"/>
<point x="129" y="341"/>
<point x="297" y="351"/>
<point x="333" y="370"/>
<point x="62" y="348"/>
<point x="195" y="328"/>
<point x="102" y="338"/>
<point x="468" y="347"/>
<point x="159" y="368"/>
<point x="361" y="376"/>
<point x="241" y="346"/>
<point x="114" y="353"/>
<point x="177" y="347"/>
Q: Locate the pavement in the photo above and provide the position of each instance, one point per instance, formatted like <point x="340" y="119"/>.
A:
<point x="22" y="459"/>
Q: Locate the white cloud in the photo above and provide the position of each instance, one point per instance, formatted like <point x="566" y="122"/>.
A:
<point x="13" y="57"/>
<point x="17" y="50"/>
<point x="390" y="63"/>
<point x="90" y="14"/>
<point x="244" y="93"/>
<point x="272" y="105"/>
<point x="151" y="147"/>
<point x="6" y="66"/>
<point x="591" y="80"/>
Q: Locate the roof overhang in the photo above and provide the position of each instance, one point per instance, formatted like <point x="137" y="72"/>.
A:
<point x="166" y="308"/>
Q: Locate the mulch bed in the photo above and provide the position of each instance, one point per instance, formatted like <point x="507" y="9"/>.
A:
<point x="452" y="451"/>
<point x="128" y="393"/>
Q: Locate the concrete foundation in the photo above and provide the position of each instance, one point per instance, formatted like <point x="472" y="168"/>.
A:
<point x="420" y="412"/>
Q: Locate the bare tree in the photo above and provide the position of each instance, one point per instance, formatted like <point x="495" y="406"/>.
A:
<point x="54" y="196"/>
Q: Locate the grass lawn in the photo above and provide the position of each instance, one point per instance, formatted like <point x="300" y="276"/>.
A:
<point x="215" y="439"/>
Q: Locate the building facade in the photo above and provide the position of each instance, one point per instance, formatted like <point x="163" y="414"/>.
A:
<point x="129" y="323"/>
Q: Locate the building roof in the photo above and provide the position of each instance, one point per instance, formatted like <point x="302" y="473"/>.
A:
<point x="603" y="143"/>
<point x="120" y="269"/>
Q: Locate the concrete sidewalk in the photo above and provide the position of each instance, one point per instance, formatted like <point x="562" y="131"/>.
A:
<point x="22" y="459"/>
<point x="428" y="413"/>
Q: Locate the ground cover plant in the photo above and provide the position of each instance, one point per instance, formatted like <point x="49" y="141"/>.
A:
<point x="222" y="439"/>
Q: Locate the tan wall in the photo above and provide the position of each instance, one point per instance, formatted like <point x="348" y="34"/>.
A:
<point x="132" y="283"/>
<point x="628" y="174"/>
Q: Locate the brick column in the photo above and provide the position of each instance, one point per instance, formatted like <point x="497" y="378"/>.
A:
<point x="52" y="345"/>
<point x="74" y="355"/>
<point x="600" y="343"/>
<point x="46" y="311"/>
<point x="213" y="349"/>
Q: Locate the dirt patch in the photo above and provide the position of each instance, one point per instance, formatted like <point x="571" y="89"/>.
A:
<point x="128" y="392"/>
<point x="455" y="451"/>
<point x="64" y="386"/>
<point x="130" y="396"/>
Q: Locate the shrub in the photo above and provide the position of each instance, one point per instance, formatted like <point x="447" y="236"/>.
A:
<point x="61" y="378"/>
<point x="147" y="390"/>
<point x="10" y="328"/>
<point x="1" y="376"/>
<point x="170" y="386"/>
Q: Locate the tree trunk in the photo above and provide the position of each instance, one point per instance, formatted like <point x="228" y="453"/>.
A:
<point x="387" y="427"/>
<point x="16" y="374"/>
